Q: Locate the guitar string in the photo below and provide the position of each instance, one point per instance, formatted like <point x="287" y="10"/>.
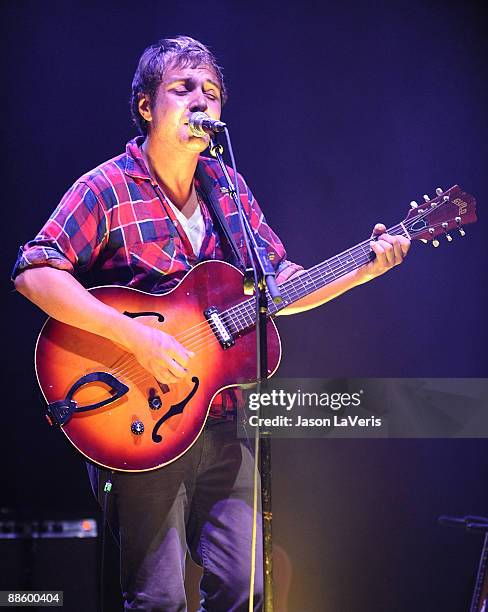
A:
<point x="199" y="341"/>
<point x="312" y="275"/>
<point x="140" y="370"/>
<point x="202" y="340"/>
<point x="235" y="312"/>
<point x="243" y="308"/>
<point x="196" y="340"/>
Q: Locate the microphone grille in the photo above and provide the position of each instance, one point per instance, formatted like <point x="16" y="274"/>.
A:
<point x="195" y="124"/>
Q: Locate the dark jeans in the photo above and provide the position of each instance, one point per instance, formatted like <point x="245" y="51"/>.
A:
<point x="202" y="503"/>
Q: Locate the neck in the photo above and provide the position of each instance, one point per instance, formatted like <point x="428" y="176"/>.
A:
<point x="173" y="170"/>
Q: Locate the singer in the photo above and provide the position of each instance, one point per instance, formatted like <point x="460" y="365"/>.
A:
<point x="142" y="220"/>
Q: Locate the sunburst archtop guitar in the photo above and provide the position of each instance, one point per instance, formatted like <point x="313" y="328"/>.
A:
<point x="119" y="416"/>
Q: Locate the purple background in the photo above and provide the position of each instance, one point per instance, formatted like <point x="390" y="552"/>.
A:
<point x="341" y="113"/>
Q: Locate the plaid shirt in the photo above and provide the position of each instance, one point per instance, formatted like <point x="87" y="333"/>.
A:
<point x="115" y="227"/>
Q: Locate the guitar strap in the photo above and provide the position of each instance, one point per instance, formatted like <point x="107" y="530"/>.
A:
<point x="206" y="183"/>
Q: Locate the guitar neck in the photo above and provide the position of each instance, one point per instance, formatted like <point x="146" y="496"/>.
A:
<point x="328" y="271"/>
<point x="242" y="316"/>
<point x="449" y="211"/>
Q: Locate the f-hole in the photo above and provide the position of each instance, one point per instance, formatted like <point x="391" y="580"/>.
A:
<point x="134" y="315"/>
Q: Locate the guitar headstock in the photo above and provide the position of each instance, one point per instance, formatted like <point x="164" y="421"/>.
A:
<point x="449" y="210"/>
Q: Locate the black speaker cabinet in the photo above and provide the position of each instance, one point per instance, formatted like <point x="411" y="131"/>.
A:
<point x="52" y="556"/>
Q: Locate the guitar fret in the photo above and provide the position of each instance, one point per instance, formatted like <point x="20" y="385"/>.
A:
<point x="309" y="281"/>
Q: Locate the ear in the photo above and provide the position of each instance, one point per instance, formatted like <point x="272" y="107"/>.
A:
<point x="144" y="106"/>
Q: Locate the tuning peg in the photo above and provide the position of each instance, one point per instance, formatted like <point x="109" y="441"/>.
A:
<point x="426" y="198"/>
<point x="423" y="240"/>
<point x="448" y="236"/>
<point x="460" y="229"/>
<point x="439" y="191"/>
<point x="413" y="204"/>
<point x="435" y="242"/>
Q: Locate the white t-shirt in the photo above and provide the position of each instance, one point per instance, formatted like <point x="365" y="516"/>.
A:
<point x="194" y="227"/>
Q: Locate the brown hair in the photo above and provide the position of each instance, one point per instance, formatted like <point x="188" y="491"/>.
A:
<point x="181" y="51"/>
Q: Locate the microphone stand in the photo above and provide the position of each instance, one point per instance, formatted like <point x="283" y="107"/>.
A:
<point x="264" y="278"/>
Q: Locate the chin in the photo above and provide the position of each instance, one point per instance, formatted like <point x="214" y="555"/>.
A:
<point x="198" y="144"/>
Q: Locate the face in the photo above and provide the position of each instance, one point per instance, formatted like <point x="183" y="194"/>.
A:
<point x="182" y="92"/>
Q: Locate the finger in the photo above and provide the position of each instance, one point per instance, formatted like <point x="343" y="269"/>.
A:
<point x="180" y="354"/>
<point x="388" y="244"/>
<point x="404" y="245"/>
<point x="397" y="256"/>
<point x="400" y="246"/>
<point x="389" y="252"/>
<point x="283" y="277"/>
<point x="397" y="248"/>
<point x="295" y="274"/>
<point x="163" y="375"/>
<point x="289" y="273"/>
<point x="379" y="251"/>
<point x="176" y="369"/>
<point x="378" y="229"/>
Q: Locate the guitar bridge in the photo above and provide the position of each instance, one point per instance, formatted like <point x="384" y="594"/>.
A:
<point x="219" y="327"/>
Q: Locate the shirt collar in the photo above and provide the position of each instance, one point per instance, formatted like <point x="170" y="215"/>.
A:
<point x="135" y="166"/>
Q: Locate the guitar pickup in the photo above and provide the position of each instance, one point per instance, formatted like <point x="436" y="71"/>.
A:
<point x="219" y="327"/>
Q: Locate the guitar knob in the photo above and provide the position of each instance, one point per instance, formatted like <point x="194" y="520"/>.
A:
<point x="137" y="428"/>
<point x="155" y="402"/>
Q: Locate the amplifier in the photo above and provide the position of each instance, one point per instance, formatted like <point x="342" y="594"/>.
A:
<point x="52" y="556"/>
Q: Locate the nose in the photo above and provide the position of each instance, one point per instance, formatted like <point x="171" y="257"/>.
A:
<point x="198" y="102"/>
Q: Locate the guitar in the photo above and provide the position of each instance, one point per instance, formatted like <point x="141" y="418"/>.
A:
<point x="120" y="417"/>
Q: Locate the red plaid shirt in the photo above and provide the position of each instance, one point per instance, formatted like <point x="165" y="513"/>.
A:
<point x="115" y="227"/>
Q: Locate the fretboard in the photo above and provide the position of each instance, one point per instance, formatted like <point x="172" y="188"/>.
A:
<point x="242" y="316"/>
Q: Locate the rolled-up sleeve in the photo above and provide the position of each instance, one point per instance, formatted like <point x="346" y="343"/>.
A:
<point x="72" y="237"/>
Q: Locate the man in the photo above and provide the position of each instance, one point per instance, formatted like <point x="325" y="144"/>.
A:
<point x="142" y="220"/>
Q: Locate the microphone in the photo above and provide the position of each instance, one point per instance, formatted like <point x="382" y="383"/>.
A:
<point x="200" y="124"/>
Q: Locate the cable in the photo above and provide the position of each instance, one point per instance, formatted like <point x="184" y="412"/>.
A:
<point x="106" y="489"/>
